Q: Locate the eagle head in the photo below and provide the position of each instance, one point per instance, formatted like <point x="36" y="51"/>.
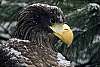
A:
<point x="42" y="17"/>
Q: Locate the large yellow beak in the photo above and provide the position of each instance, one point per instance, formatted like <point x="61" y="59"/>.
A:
<point x="64" y="32"/>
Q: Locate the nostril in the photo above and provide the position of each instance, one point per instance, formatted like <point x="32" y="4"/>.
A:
<point x="65" y="29"/>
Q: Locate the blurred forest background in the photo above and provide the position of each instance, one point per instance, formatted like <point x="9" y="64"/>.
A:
<point x="82" y="15"/>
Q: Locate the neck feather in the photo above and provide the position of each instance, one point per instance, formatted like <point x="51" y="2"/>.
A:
<point x="38" y="36"/>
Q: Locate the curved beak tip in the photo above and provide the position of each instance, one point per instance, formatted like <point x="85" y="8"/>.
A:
<point x="67" y="37"/>
<point x="64" y="33"/>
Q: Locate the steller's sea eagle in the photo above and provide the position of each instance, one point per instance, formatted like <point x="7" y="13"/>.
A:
<point x="39" y="28"/>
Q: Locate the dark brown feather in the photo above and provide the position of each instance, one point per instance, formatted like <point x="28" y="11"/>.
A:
<point x="33" y="25"/>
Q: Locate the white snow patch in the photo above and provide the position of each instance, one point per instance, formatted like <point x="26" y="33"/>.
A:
<point x="5" y="35"/>
<point x="4" y="2"/>
<point x="15" y="52"/>
<point x="18" y="40"/>
<point x="62" y="61"/>
<point x="12" y="51"/>
<point x="93" y="6"/>
<point x="14" y="23"/>
<point x="6" y="24"/>
<point x="39" y="4"/>
<point x="73" y="64"/>
<point x="78" y="29"/>
<point x="26" y="48"/>
<point x="52" y="7"/>
<point x="25" y="58"/>
<point x="19" y="4"/>
<point x="24" y="64"/>
<point x="13" y="58"/>
<point x="80" y="9"/>
<point x="1" y="29"/>
<point x="96" y="39"/>
<point x="82" y="61"/>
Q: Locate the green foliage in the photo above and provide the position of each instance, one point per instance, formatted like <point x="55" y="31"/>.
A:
<point x="6" y="12"/>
